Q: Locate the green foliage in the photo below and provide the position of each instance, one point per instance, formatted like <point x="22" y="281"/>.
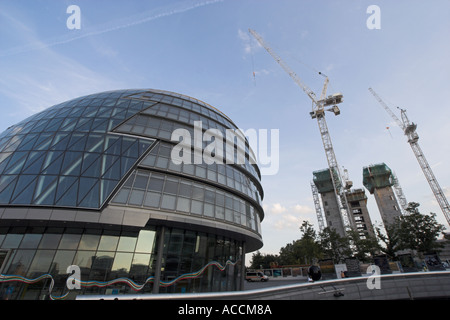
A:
<point x="413" y="231"/>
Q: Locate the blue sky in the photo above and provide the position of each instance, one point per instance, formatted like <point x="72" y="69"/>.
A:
<point x="203" y="49"/>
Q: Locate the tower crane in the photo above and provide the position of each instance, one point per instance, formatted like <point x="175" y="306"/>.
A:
<point x="409" y="129"/>
<point x="318" y="112"/>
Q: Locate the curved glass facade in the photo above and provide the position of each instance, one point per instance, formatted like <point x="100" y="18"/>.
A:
<point x="90" y="184"/>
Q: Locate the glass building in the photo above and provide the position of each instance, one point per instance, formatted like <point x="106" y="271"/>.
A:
<point x="92" y="203"/>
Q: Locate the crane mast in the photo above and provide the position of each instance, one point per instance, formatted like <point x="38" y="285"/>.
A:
<point x="318" y="207"/>
<point x="318" y="112"/>
<point x="409" y="129"/>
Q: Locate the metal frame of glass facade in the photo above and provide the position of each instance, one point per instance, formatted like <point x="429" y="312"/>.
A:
<point x="89" y="182"/>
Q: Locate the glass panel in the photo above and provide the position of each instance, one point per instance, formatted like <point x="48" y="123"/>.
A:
<point x="140" y="265"/>
<point x="168" y="202"/>
<point x="122" y="196"/>
<point x="89" y="242"/>
<point x="171" y="187"/>
<point x="102" y="265"/>
<point x="108" y="243"/>
<point x="152" y="199"/>
<point x="50" y="241"/>
<point x="156" y="184"/>
<point x="21" y="262"/>
<point x="69" y="241"/>
<point x="62" y="260"/>
<point x="41" y="263"/>
<point x="30" y="241"/>
<point x="197" y="207"/>
<point x="136" y="197"/>
<point x="220" y="212"/>
<point x="183" y="204"/>
<point x="185" y="190"/>
<point x="146" y="241"/>
<point x="12" y="241"/>
<point x="141" y="181"/>
<point x="122" y="264"/>
<point x="127" y="244"/>
<point x="84" y="260"/>
<point x="209" y="210"/>
<point x="197" y="193"/>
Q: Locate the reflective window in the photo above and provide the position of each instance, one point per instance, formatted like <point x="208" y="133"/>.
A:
<point x="108" y="243"/>
<point x="89" y="242"/>
<point x="187" y="197"/>
<point x="30" y="241"/>
<point x="62" y="260"/>
<point x="69" y="241"/>
<point x="50" y="241"/>
<point x="146" y="241"/>
<point x="58" y="156"/>
<point x="12" y="241"/>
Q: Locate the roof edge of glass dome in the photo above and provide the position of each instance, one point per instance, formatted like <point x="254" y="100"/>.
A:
<point x="186" y="97"/>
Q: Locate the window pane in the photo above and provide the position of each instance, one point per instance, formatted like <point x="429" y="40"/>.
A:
<point x="102" y="265"/>
<point x="220" y="212"/>
<point x="89" y="242"/>
<point x="168" y="202"/>
<point x="156" y="184"/>
<point x="146" y="241"/>
<point x="41" y="263"/>
<point x="84" y="259"/>
<point x="127" y="244"/>
<point x="50" y="241"/>
<point x="197" y="193"/>
<point x="21" y="262"/>
<point x="141" y="182"/>
<point x="209" y="210"/>
<point x="122" y="264"/>
<point x="30" y="241"/>
<point x="108" y="243"/>
<point x="183" y="204"/>
<point x="136" y="197"/>
<point x="185" y="190"/>
<point x="152" y="199"/>
<point x="69" y="241"/>
<point x="12" y="241"/>
<point x="171" y="187"/>
<point x="197" y="207"/>
<point x="122" y="196"/>
<point x="62" y="260"/>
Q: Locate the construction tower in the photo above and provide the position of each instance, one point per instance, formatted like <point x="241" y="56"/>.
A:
<point x="358" y="216"/>
<point x="379" y="180"/>
<point x="357" y="201"/>
<point x="324" y="184"/>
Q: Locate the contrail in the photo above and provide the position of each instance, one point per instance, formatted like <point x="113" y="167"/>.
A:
<point x="118" y="25"/>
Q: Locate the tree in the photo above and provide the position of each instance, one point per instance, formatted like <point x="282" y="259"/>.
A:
<point x="418" y="232"/>
<point x="364" y="249"/>
<point x="263" y="261"/>
<point x="302" y="251"/>
<point x="333" y="245"/>
<point x="390" y="241"/>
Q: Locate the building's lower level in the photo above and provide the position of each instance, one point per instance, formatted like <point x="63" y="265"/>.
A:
<point x="34" y="261"/>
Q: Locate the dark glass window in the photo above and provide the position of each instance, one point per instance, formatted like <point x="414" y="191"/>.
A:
<point x="50" y="241"/>
<point x="30" y="241"/>
<point x="69" y="241"/>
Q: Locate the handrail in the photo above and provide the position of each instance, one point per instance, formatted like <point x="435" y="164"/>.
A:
<point x="247" y="294"/>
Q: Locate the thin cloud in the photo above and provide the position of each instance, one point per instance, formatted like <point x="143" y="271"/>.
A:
<point x="112" y="26"/>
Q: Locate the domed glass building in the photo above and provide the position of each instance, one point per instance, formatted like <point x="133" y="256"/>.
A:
<point x="91" y="201"/>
